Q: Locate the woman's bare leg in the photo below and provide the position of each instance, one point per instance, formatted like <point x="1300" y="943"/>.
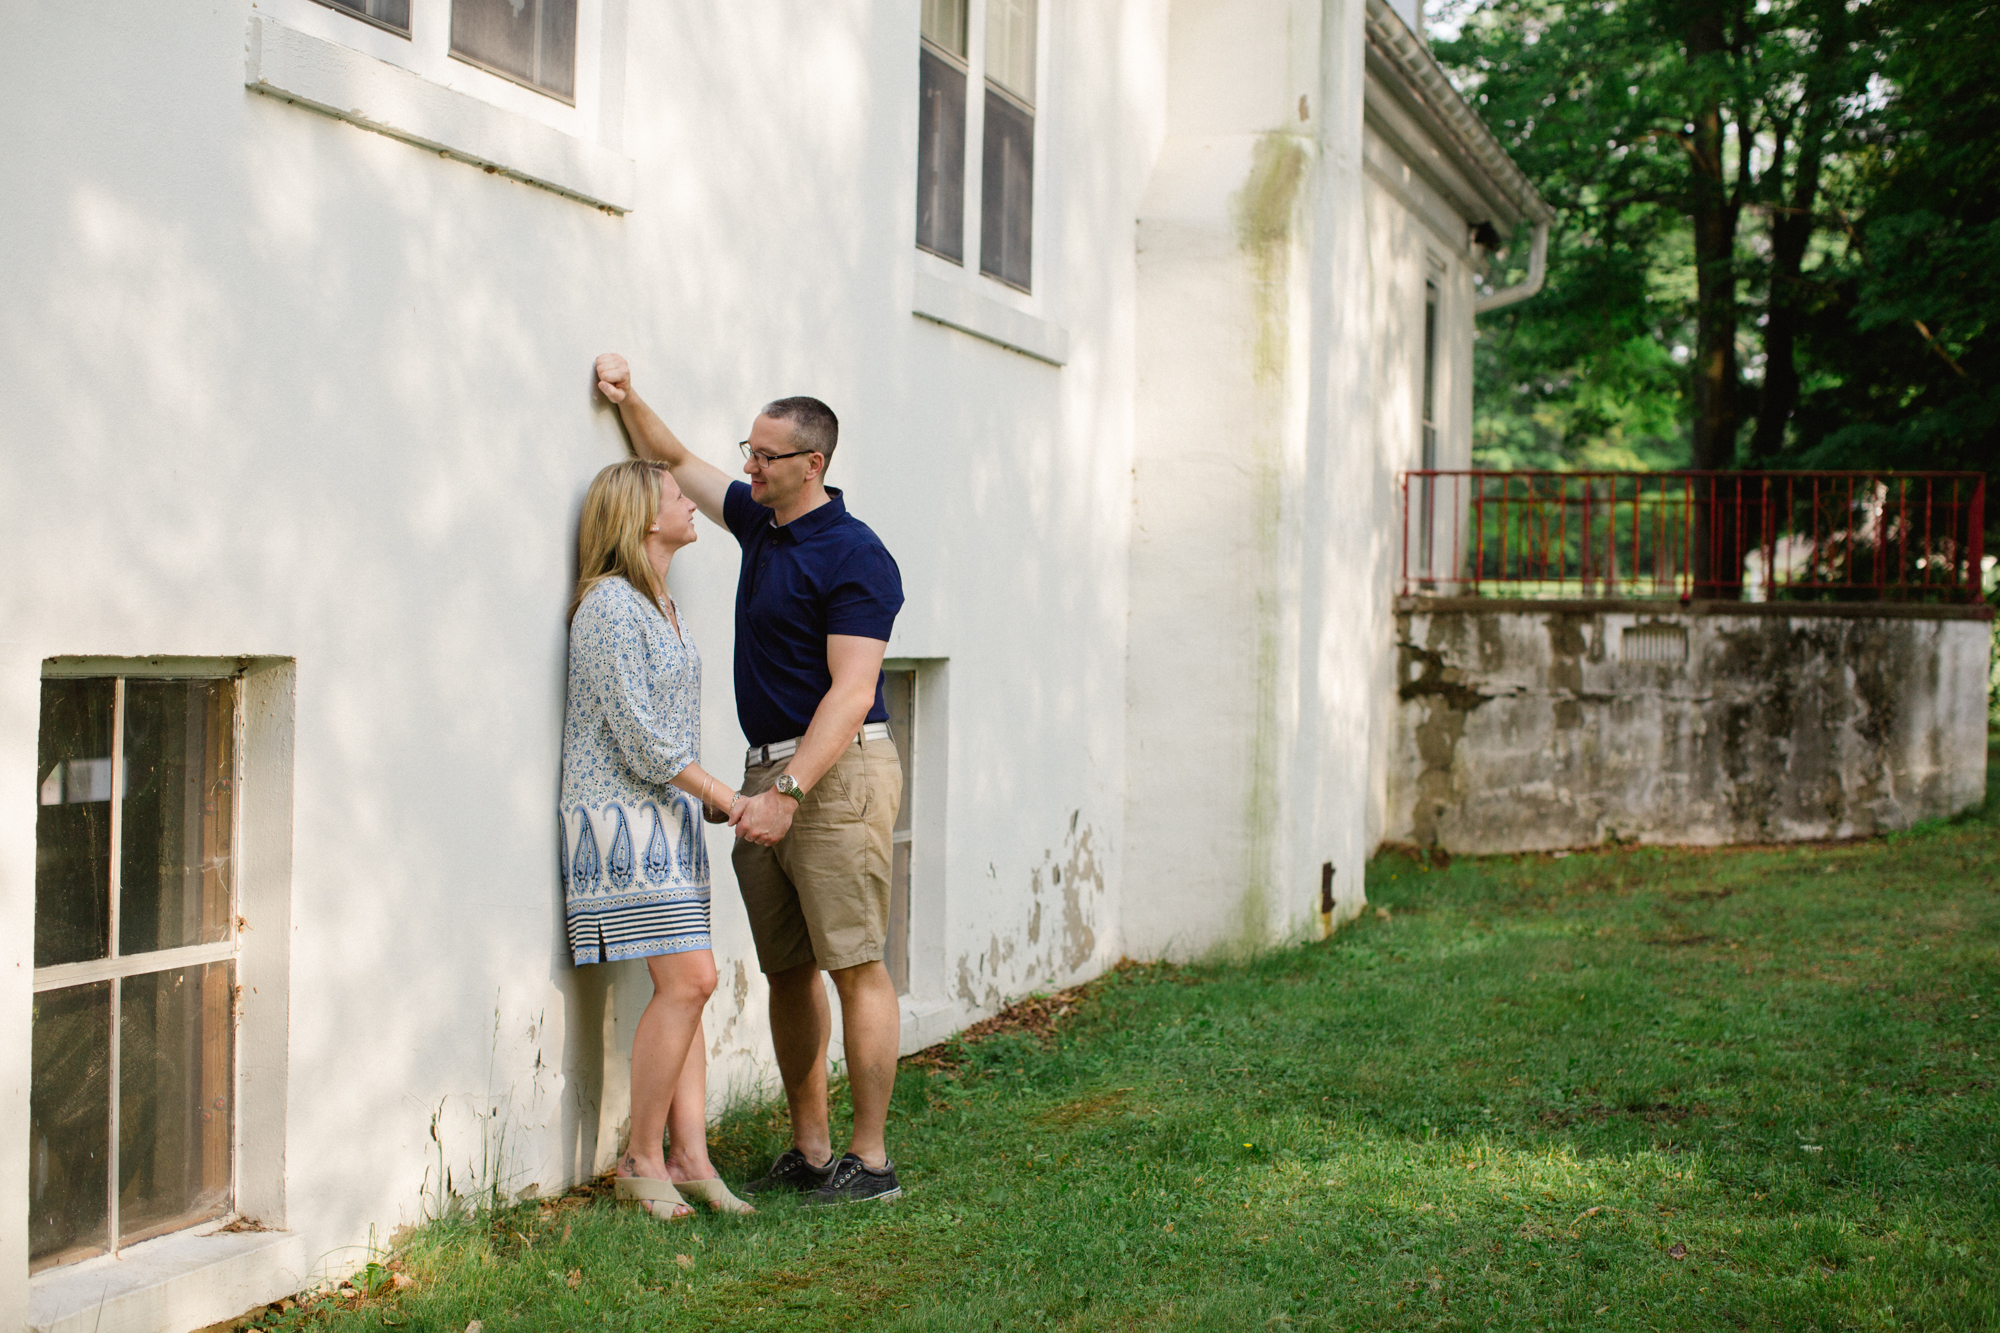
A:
<point x="682" y="983"/>
<point x="687" y="1118"/>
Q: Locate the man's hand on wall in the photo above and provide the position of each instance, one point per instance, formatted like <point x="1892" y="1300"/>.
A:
<point x="614" y="377"/>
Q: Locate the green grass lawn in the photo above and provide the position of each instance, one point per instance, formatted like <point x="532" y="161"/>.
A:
<point x="1632" y="1089"/>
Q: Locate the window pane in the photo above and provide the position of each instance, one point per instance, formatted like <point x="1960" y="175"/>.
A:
<point x="941" y="159"/>
<point x="174" y="862"/>
<point x="530" y="40"/>
<point x="899" y="693"/>
<point x="945" y="24"/>
<point x="555" y="64"/>
<point x="69" y="1124"/>
<point x="1010" y="46"/>
<point x="389" y="13"/>
<point x="175" y="1099"/>
<point x="1007" y="209"/>
<point x="896" y="950"/>
<point x="73" y="823"/>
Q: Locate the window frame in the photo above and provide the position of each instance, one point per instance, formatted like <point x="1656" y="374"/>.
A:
<point x="896" y="949"/>
<point x="117" y="966"/>
<point x="1427" y="437"/>
<point x="413" y="86"/>
<point x="955" y="293"/>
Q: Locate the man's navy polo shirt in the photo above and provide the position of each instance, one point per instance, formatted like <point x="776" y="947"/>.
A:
<point x="825" y="572"/>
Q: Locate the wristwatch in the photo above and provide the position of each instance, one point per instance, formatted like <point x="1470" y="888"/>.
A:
<point x="787" y="785"/>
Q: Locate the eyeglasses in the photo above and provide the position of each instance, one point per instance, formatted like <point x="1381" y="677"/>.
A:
<point x="764" y="459"/>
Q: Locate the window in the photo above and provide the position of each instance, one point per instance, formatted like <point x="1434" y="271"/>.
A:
<point x="1426" y="520"/>
<point x="529" y="41"/>
<point x="941" y="131"/>
<point x="1007" y="139"/>
<point x="900" y="693"/>
<point x="132" y="1089"/>
<point x="391" y="14"/>
<point x="531" y="90"/>
<point x="1007" y="189"/>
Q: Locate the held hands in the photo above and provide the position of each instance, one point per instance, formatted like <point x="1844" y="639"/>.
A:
<point x="614" y="377"/>
<point x="764" y="818"/>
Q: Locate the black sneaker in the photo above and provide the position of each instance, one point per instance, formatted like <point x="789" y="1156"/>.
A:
<point x="854" y="1181"/>
<point x="792" y="1172"/>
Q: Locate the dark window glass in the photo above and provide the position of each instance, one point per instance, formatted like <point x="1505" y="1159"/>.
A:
<point x="175" y="843"/>
<point x="69" y="1124"/>
<point x="1427" y="496"/>
<point x="131" y="1101"/>
<point x="174" y="1099"/>
<point x="1007" y="206"/>
<point x="900" y="693"/>
<point x="529" y="41"/>
<point x="73" y="823"/>
<point x="941" y="158"/>
<point x="391" y="14"/>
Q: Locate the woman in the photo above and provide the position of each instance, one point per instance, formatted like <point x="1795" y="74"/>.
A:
<point x="634" y="867"/>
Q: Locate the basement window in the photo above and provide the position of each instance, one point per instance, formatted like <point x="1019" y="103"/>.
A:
<point x="1654" y="643"/>
<point x="132" y="1086"/>
<point x="900" y="693"/>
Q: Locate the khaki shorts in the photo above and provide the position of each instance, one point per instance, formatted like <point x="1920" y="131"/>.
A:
<point x="821" y="896"/>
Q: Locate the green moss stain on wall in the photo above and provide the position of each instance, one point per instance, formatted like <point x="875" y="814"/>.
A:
<point x="1265" y="209"/>
<point x="1265" y="214"/>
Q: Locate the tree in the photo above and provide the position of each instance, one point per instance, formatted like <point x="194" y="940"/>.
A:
<point x="1654" y="127"/>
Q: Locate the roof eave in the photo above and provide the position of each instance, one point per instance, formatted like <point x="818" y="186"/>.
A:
<point x="1404" y="65"/>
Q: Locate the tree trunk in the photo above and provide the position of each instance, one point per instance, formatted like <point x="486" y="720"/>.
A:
<point x="1713" y="214"/>
<point x="1791" y="233"/>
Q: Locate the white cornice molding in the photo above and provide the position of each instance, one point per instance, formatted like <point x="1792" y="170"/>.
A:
<point x="1426" y="94"/>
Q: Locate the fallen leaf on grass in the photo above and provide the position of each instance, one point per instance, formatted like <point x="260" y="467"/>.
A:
<point x="1677" y="1250"/>
<point x="575" y="1278"/>
<point x="475" y="1327"/>
<point x="1590" y="1212"/>
<point x="684" y="1260"/>
<point x="404" y="1281"/>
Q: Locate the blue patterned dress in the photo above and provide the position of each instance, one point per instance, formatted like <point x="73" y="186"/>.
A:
<point x="634" y="864"/>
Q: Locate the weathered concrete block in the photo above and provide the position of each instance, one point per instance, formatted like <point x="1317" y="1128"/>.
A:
<point x="1523" y="726"/>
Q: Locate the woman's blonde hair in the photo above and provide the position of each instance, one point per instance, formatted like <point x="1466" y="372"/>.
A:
<point x="623" y="501"/>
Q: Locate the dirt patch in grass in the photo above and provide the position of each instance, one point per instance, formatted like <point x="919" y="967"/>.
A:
<point x="1089" y="1108"/>
<point x="1037" y="1017"/>
<point x="1653" y="1113"/>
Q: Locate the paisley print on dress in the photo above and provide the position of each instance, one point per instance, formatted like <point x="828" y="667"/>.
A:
<point x="631" y="723"/>
<point x="659" y="856"/>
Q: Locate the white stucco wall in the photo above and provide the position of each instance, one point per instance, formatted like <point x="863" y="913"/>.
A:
<point x="280" y="386"/>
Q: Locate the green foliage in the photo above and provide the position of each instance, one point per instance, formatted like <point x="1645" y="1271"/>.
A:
<point x="1636" y="1089"/>
<point x="1909" y="323"/>
<point x="1860" y="163"/>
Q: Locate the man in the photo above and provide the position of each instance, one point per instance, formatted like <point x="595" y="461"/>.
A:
<point x="816" y="596"/>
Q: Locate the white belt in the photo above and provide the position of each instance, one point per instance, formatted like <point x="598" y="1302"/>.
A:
<point x="759" y="755"/>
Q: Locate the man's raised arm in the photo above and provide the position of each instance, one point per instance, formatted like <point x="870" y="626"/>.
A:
<point x="699" y="480"/>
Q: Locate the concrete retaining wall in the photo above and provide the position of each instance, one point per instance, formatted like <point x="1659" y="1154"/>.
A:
<point x="1563" y="724"/>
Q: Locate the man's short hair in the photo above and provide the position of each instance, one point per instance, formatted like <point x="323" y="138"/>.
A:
<point x="814" y="426"/>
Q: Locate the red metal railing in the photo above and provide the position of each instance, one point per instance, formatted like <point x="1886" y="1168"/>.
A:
<point x="1753" y="536"/>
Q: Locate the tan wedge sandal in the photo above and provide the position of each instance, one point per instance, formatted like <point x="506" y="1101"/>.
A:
<point x="658" y="1197"/>
<point x="715" y="1194"/>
